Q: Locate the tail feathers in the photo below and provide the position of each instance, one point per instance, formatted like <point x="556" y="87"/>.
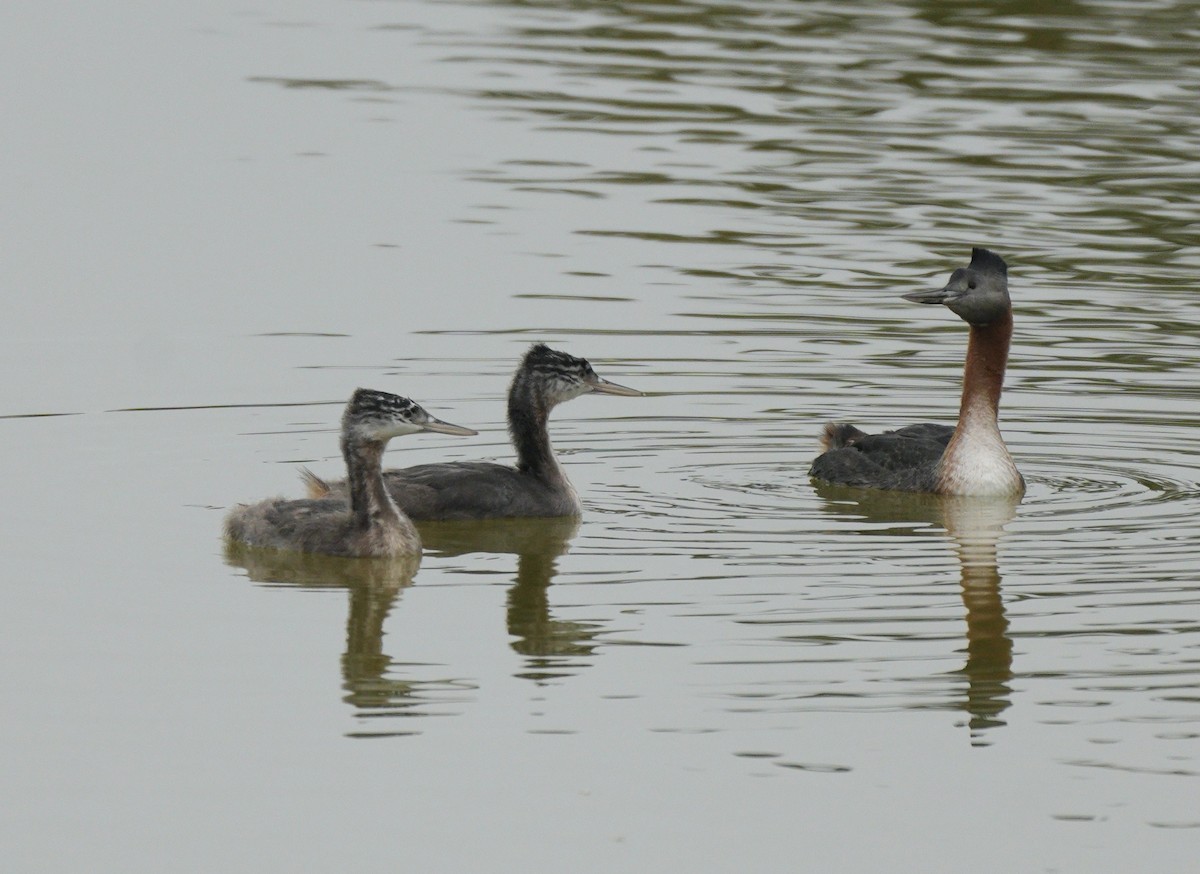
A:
<point x="317" y="487"/>
<point x="837" y="435"/>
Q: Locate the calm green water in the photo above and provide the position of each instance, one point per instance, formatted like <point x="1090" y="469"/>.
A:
<point x="221" y="220"/>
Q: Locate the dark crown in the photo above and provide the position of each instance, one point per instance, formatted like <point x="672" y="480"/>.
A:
<point x="367" y="403"/>
<point x="987" y="261"/>
<point x="544" y="361"/>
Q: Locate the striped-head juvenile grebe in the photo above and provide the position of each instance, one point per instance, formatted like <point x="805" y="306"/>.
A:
<point x="537" y="486"/>
<point x="970" y="458"/>
<point x="371" y="525"/>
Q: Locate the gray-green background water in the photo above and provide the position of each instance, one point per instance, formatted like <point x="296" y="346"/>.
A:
<point x="218" y="220"/>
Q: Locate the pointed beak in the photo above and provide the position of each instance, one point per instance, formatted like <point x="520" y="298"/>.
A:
<point x="604" y="387"/>
<point x="446" y="428"/>
<point x="940" y="295"/>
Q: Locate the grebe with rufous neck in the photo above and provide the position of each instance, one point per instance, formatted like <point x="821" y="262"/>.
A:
<point x="969" y="458"/>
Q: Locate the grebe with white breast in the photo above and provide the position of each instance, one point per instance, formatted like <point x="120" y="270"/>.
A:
<point x="970" y="458"/>
<point x="372" y="525"/>
<point x="537" y="486"/>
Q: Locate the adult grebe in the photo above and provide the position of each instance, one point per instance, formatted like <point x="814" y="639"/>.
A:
<point x="969" y="459"/>
<point x="537" y="486"/>
<point x="372" y="525"/>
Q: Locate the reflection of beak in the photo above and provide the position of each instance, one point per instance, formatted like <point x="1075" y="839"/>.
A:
<point x="446" y="428"/>
<point x="604" y="387"/>
<point x="941" y="295"/>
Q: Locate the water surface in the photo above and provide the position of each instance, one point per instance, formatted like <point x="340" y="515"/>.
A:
<point x="221" y="221"/>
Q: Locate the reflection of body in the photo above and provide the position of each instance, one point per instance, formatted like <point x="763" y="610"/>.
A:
<point x="373" y="584"/>
<point x="537" y="486"/>
<point x="368" y="672"/>
<point x="969" y="459"/>
<point x="372" y="525"/>
<point x="975" y="525"/>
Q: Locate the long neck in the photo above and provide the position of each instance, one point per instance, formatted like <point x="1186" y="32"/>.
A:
<point x="369" y="500"/>
<point x="528" y="415"/>
<point x="976" y="461"/>
<point x="983" y="376"/>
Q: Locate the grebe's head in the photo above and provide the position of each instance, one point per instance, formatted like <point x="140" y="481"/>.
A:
<point x="556" y="376"/>
<point x="377" y="416"/>
<point x="977" y="293"/>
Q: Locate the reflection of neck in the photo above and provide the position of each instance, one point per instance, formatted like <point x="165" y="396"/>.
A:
<point x="989" y="648"/>
<point x="364" y="663"/>
<point x="976" y="527"/>
<point x="528" y="415"/>
<point x="983" y="375"/>
<point x="370" y="503"/>
<point x="529" y="604"/>
<point x="529" y="620"/>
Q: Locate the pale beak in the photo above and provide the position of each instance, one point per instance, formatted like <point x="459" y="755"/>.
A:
<point x="940" y="295"/>
<point x="604" y="387"/>
<point x="446" y="428"/>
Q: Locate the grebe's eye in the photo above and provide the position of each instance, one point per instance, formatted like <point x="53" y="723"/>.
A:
<point x="971" y="284"/>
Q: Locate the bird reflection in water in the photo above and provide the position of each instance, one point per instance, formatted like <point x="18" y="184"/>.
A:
<point x="553" y="647"/>
<point x="368" y="676"/>
<point x="975" y="525"/>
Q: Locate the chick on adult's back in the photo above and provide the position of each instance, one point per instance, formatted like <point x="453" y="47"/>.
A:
<point x="371" y="525"/>
<point x="970" y="458"/>
<point x="536" y="486"/>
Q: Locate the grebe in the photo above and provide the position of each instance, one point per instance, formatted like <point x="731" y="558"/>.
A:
<point x="372" y="525"/>
<point x="537" y="486"/>
<point x="969" y="459"/>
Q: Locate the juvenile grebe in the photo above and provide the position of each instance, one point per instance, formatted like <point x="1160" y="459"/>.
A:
<point x="537" y="486"/>
<point x="372" y="525"/>
<point x="969" y="459"/>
